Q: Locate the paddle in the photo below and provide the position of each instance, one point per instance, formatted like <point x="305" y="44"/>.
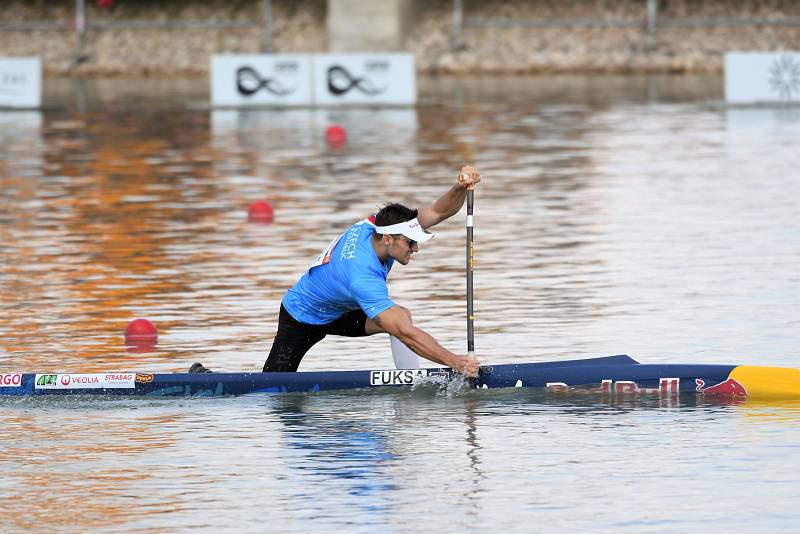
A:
<point x="470" y="262"/>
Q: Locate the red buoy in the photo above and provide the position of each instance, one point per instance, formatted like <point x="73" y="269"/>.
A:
<point x="141" y="331"/>
<point x="335" y="136"/>
<point x="260" y="211"/>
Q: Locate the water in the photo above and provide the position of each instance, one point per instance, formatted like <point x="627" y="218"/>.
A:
<point x="616" y="215"/>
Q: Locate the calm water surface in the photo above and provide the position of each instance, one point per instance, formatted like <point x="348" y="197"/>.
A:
<point x="617" y="215"/>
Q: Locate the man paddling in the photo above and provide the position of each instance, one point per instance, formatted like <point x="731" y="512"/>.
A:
<point x="344" y="291"/>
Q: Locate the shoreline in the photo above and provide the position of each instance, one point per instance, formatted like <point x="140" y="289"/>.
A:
<point x="117" y="45"/>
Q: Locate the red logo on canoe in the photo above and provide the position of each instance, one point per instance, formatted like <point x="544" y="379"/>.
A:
<point x="10" y="379"/>
<point x="731" y="388"/>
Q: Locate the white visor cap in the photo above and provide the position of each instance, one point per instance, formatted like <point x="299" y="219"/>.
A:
<point x="411" y="229"/>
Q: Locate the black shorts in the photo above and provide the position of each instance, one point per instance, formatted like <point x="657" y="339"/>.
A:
<point x="294" y="339"/>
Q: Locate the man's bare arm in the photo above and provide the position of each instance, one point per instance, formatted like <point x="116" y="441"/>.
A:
<point x="395" y="322"/>
<point x="448" y="204"/>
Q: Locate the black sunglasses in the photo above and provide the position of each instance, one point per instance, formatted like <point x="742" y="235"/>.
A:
<point x="411" y="242"/>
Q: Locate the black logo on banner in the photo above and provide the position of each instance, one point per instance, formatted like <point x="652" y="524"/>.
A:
<point x="340" y="81"/>
<point x="12" y="83"/>
<point x="249" y="82"/>
<point x="784" y="77"/>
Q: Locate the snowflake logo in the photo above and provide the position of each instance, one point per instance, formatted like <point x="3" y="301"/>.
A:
<point x="784" y="77"/>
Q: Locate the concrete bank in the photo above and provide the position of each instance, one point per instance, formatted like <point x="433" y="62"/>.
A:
<point x="134" y="38"/>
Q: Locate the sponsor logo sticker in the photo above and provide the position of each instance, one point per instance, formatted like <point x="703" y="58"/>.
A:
<point x="69" y="381"/>
<point x="10" y="380"/>
<point x="85" y="381"/>
<point x="396" y="377"/>
<point x="144" y="378"/>
<point x="46" y="380"/>
<point x="119" y="381"/>
<point x="730" y="387"/>
<point x="81" y="381"/>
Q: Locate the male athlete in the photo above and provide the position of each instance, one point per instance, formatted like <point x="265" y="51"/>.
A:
<point x="344" y="291"/>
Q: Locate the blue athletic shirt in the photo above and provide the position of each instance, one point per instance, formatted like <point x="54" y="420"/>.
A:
<point x="347" y="275"/>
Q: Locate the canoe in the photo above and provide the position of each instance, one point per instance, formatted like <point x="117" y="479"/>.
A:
<point x="617" y="375"/>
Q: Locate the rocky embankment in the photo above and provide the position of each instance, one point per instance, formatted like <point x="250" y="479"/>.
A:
<point x="299" y="27"/>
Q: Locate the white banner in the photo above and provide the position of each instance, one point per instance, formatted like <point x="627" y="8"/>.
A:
<point x="753" y="77"/>
<point x="261" y="79"/>
<point x="85" y="381"/>
<point x="21" y="82"/>
<point x="365" y="79"/>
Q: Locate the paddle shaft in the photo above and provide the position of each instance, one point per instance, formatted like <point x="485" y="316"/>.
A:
<point x="470" y="265"/>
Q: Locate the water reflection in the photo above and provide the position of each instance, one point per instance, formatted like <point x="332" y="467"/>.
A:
<point x="348" y="451"/>
<point x="362" y="460"/>
<point x="82" y="457"/>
